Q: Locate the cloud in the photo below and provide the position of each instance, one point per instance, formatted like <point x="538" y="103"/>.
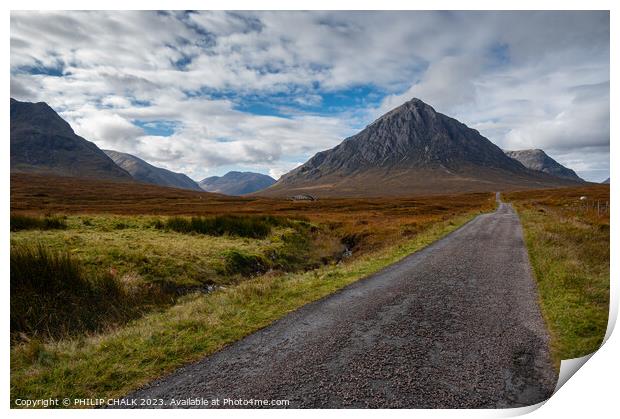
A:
<point x="20" y="90"/>
<point x="267" y="90"/>
<point x="107" y="129"/>
<point x="277" y="172"/>
<point x="447" y="82"/>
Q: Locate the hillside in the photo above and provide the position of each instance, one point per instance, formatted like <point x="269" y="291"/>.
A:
<point x="145" y="172"/>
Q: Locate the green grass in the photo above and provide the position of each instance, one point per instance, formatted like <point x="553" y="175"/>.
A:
<point x="114" y="363"/>
<point x="236" y="262"/>
<point x="135" y="247"/>
<point x="570" y="257"/>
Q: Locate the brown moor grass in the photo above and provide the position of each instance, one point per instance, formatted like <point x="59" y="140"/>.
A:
<point x="369" y="223"/>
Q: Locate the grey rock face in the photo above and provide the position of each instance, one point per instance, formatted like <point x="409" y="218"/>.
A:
<point x="237" y="183"/>
<point x="145" y="172"/>
<point x="413" y="135"/>
<point x="538" y="160"/>
<point x="41" y="141"/>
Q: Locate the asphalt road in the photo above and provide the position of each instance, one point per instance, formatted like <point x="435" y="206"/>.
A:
<point x="455" y="325"/>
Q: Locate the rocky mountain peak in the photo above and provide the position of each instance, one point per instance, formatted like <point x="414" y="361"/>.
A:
<point x="38" y="116"/>
<point x="412" y="135"/>
<point x="414" y="109"/>
<point x="537" y="159"/>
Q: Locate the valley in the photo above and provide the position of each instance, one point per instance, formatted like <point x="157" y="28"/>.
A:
<point x="191" y="294"/>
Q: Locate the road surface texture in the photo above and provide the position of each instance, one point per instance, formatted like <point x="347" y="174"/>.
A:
<point x="456" y="325"/>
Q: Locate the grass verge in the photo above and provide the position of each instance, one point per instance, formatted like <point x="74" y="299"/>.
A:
<point x="112" y="364"/>
<point x="569" y="252"/>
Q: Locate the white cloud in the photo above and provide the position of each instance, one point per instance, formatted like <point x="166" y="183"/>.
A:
<point x="448" y="81"/>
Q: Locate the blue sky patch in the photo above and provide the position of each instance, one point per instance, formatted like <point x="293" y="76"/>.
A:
<point x="499" y="54"/>
<point x="299" y="100"/>
<point x="157" y="128"/>
<point x="39" y="70"/>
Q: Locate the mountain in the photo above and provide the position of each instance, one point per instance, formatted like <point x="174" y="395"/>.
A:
<point x="237" y="183"/>
<point x="43" y="142"/>
<point x="538" y="160"/>
<point x="410" y="150"/>
<point x="147" y="173"/>
<point x="606" y="181"/>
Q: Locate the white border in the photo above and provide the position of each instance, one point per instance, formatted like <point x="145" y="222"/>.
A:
<point x="592" y="392"/>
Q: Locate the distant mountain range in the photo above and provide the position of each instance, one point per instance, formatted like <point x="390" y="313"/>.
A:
<point x="606" y="181"/>
<point x="538" y="160"/>
<point x="237" y="183"/>
<point x="147" y="173"/>
<point x="411" y="150"/>
<point x="43" y="142"/>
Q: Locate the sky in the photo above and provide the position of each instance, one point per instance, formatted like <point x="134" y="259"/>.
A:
<point x="204" y="93"/>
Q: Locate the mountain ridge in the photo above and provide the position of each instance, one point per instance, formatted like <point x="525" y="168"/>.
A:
<point x="143" y="171"/>
<point x="237" y="183"/>
<point x="537" y="159"/>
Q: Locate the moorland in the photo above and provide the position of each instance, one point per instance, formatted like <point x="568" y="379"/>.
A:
<point x="116" y="283"/>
